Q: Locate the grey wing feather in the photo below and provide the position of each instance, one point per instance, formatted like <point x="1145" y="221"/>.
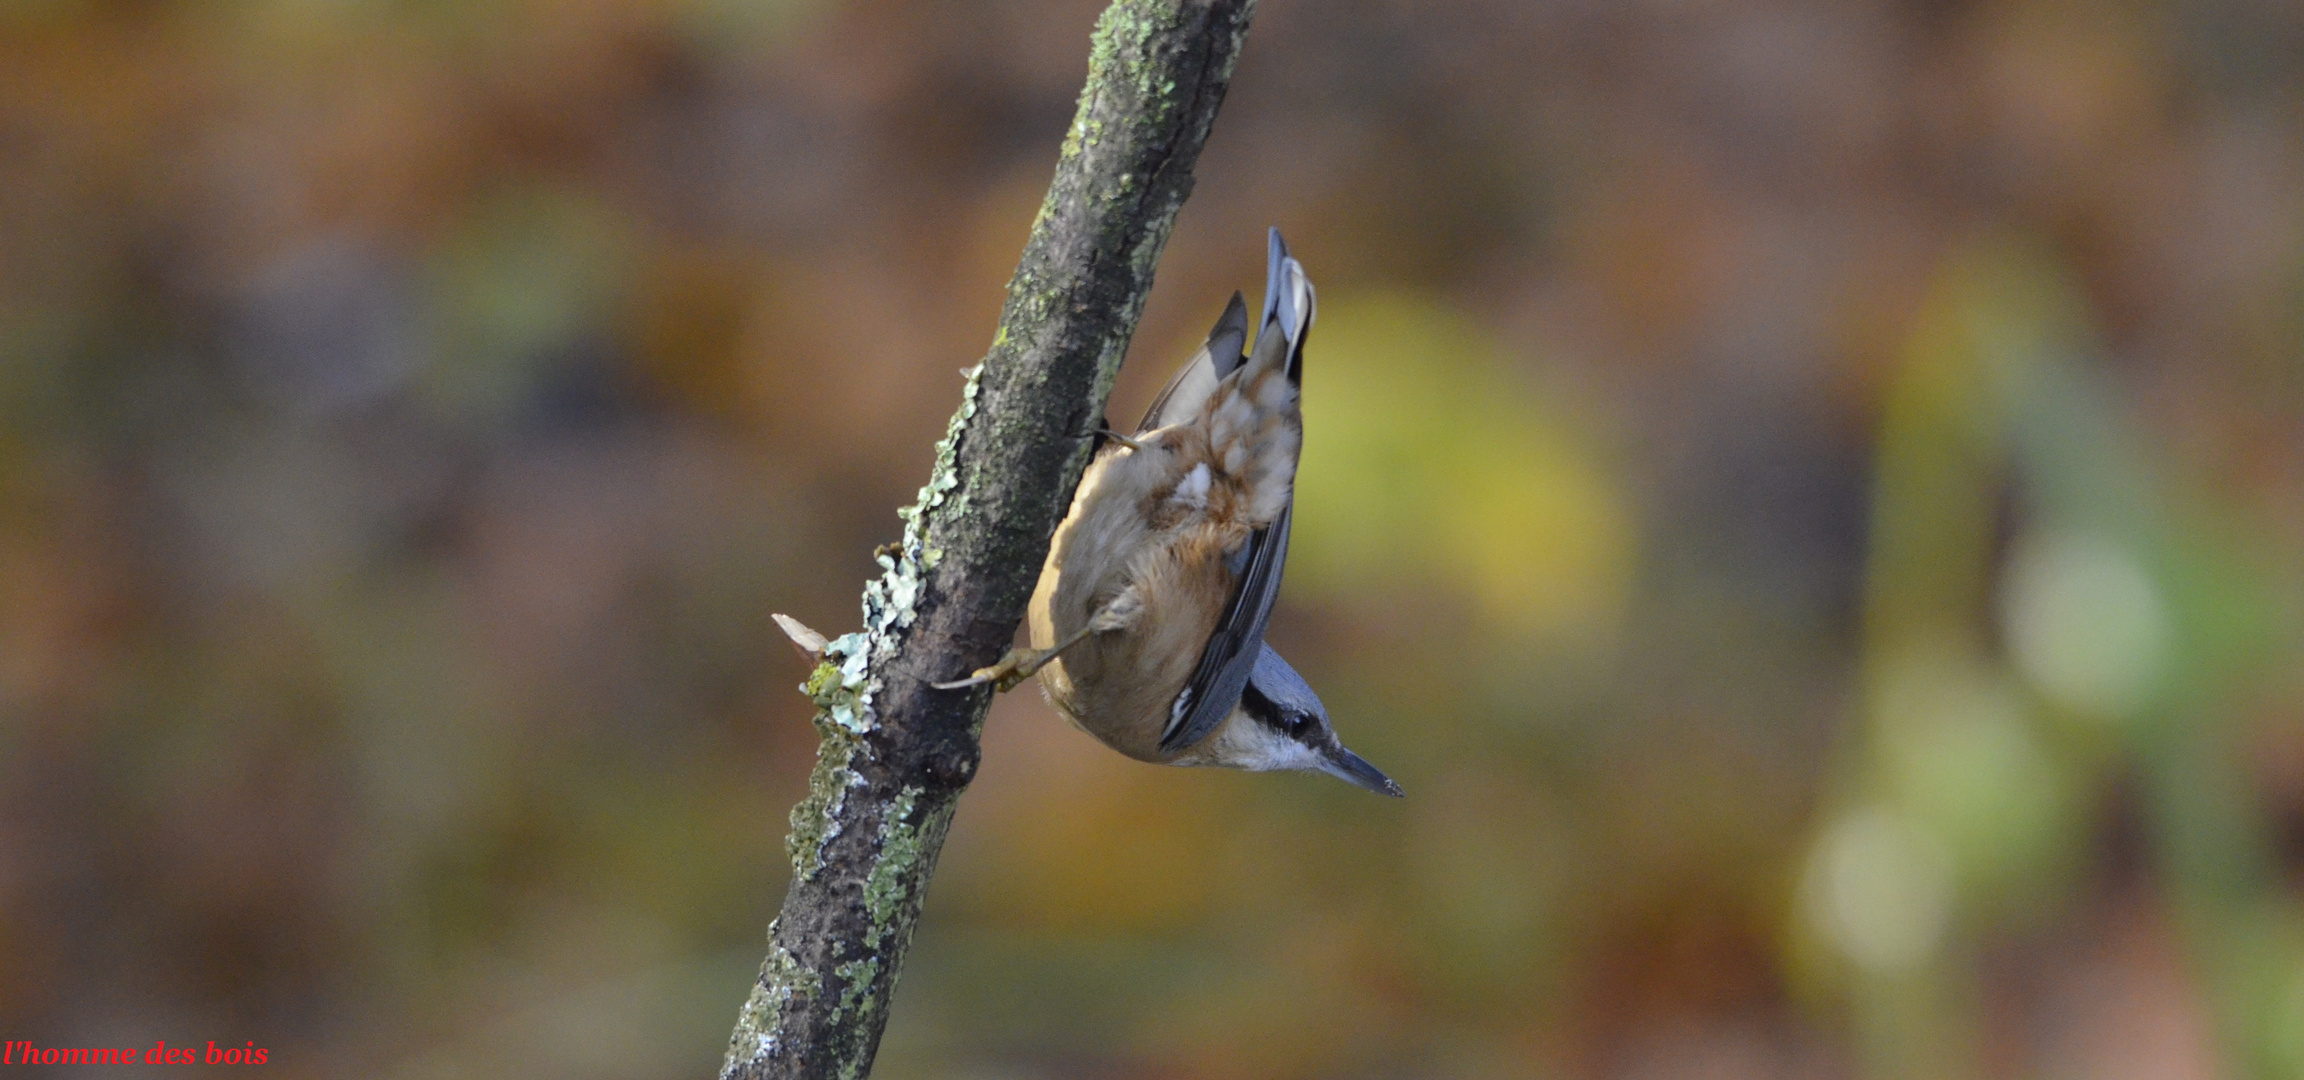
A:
<point x="1236" y="646"/>
<point x="1198" y="377"/>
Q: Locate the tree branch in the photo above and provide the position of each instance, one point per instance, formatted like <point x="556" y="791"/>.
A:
<point x="897" y="753"/>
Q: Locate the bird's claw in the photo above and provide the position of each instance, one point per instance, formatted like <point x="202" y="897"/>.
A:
<point x="1013" y="668"/>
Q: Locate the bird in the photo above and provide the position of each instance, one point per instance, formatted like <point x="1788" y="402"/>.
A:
<point x="1147" y="624"/>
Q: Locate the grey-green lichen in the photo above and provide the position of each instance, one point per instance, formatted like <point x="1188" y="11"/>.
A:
<point x="1124" y="67"/>
<point x="1030" y="302"/>
<point x="839" y="686"/>
<point x="908" y="836"/>
<point x="1120" y="52"/>
<point x="816" y="820"/>
<point x="843" y="685"/>
<point x="889" y="601"/>
<point x="900" y="848"/>
<point x="782" y="978"/>
<point x="856" y="985"/>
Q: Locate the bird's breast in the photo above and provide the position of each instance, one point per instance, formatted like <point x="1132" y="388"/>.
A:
<point x="1119" y="685"/>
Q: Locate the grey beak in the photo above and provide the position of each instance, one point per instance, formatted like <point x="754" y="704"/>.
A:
<point x="1354" y="770"/>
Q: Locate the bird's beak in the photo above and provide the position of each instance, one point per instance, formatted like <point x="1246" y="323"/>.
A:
<point x="1354" y="770"/>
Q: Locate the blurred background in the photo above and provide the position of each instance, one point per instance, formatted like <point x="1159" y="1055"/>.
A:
<point x="1807" y="497"/>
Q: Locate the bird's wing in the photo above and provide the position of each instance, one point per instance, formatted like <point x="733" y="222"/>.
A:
<point x="1234" y="647"/>
<point x="1198" y="377"/>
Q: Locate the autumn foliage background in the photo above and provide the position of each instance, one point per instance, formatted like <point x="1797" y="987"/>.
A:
<point x="1807" y="497"/>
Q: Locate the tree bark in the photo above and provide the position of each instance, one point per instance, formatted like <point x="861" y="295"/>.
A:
<point x="896" y="753"/>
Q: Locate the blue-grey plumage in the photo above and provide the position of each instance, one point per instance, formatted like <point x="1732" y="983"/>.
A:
<point x="1282" y="725"/>
<point x="1148" y="623"/>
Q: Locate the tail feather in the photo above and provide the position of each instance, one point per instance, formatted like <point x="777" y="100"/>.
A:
<point x="1289" y="304"/>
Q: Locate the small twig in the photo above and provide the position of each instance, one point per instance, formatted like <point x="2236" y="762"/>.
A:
<point x="809" y="643"/>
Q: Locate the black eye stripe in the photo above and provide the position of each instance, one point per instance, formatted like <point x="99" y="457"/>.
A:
<point x="1295" y="725"/>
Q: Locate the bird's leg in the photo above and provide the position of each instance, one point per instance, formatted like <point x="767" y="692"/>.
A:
<point x="1022" y="664"/>
<point x="1017" y="666"/>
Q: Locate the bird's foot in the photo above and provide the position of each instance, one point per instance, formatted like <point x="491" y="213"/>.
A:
<point x="1017" y="666"/>
<point x="1022" y="664"/>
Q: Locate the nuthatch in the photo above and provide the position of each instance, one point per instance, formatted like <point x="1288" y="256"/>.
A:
<point x="1148" y="622"/>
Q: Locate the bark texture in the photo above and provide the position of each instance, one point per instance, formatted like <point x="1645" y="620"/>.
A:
<point x="897" y="753"/>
